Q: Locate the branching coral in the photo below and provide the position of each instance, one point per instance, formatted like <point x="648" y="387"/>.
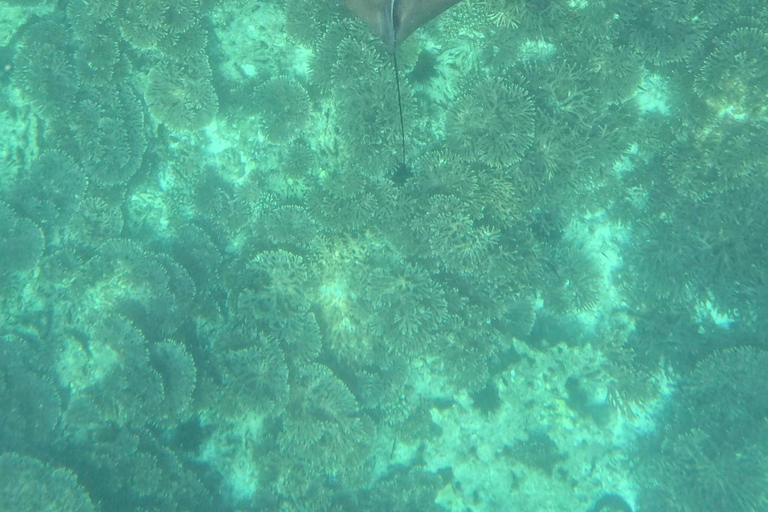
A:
<point x="629" y="385"/>
<point x="444" y="173"/>
<point x="143" y="23"/>
<point x="179" y="376"/>
<point x="107" y="134"/>
<point x="713" y="454"/>
<point x="301" y="339"/>
<point x="21" y="242"/>
<point x="663" y="269"/>
<point x="577" y="282"/>
<point x="404" y="490"/>
<point x="278" y="290"/>
<point x="24" y="3"/>
<point x="348" y="202"/>
<point x="182" y="45"/>
<point x="504" y="14"/>
<point x="620" y="74"/>
<point x="452" y="236"/>
<point x="364" y="91"/>
<point x="717" y="160"/>
<point x="322" y="424"/>
<point x="492" y="122"/>
<point x="84" y="15"/>
<point x="734" y="74"/>
<point x="667" y="31"/>
<point x="181" y="94"/>
<point x="96" y="59"/>
<point x="408" y="307"/>
<point x="255" y="378"/>
<point x="465" y="363"/>
<point x="52" y="191"/>
<point x="564" y="92"/>
<point x="307" y="20"/>
<point x="284" y="107"/>
<point x="723" y="395"/>
<point x="29" y="399"/>
<point x="122" y="278"/>
<point x="195" y="250"/>
<point x="291" y="228"/>
<point x="45" y="71"/>
<point x="29" y="485"/>
<point x="117" y="382"/>
<point x="326" y="52"/>
<point x="95" y="221"/>
<point x="135" y="466"/>
<point x="701" y="474"/>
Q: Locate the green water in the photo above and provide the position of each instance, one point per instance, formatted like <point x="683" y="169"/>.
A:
<point x="222" y="289"/>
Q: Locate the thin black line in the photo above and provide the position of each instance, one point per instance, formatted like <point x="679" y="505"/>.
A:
<point x="399" y="103"/>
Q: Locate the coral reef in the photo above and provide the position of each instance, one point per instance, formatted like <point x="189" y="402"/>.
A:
<point x="306" y="20"/>
<point x="44" y="69"/>
<point x="52" y="191"/>
<point x="95" y="221"/>
<point x="621" y="72"/>
<point x="118" y="384"/>
<point x="124" y="279"/>
<point x="719" y="160"/>
<point x="225" y="286"/>
<point x="282" y="281"/>
<point x="362" y="80"/>
<point x="181" y="95"/>
<point x="96" y="60"/>
<point x="24" y="3"/>
<point x="493" y="123"/>
<point x="145" y="22"/>
<point x="713" y="454"/>
<point x="29" y="398"/>
<point x="109" y="136"/>
<point x="733" y="75"/>
<point x="179" y="376"/>
<point x="30" y="485"/>
<point x="707" y="475"/>
<point x="668" y="31"/>
<point x="21" y="242"/>
<point x="284" y="108"/>
<point x="255" y="378"/>
<point x="321" y="426"/>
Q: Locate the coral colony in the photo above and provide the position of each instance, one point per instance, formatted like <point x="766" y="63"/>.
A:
<point x="218" y="292"/>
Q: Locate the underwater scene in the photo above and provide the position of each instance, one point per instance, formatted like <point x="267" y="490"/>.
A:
<point x="257" y="255"/>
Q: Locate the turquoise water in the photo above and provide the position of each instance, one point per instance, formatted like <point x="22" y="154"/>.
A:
<point x="225" y="287"/>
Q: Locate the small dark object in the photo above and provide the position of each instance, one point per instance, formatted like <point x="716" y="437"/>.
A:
<point x="611" y="503"/>
<point x="425" y="68"/>
<point x="538" y="452"/>
<point x="401" y="174"/>
<point x="487" y="399"/>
